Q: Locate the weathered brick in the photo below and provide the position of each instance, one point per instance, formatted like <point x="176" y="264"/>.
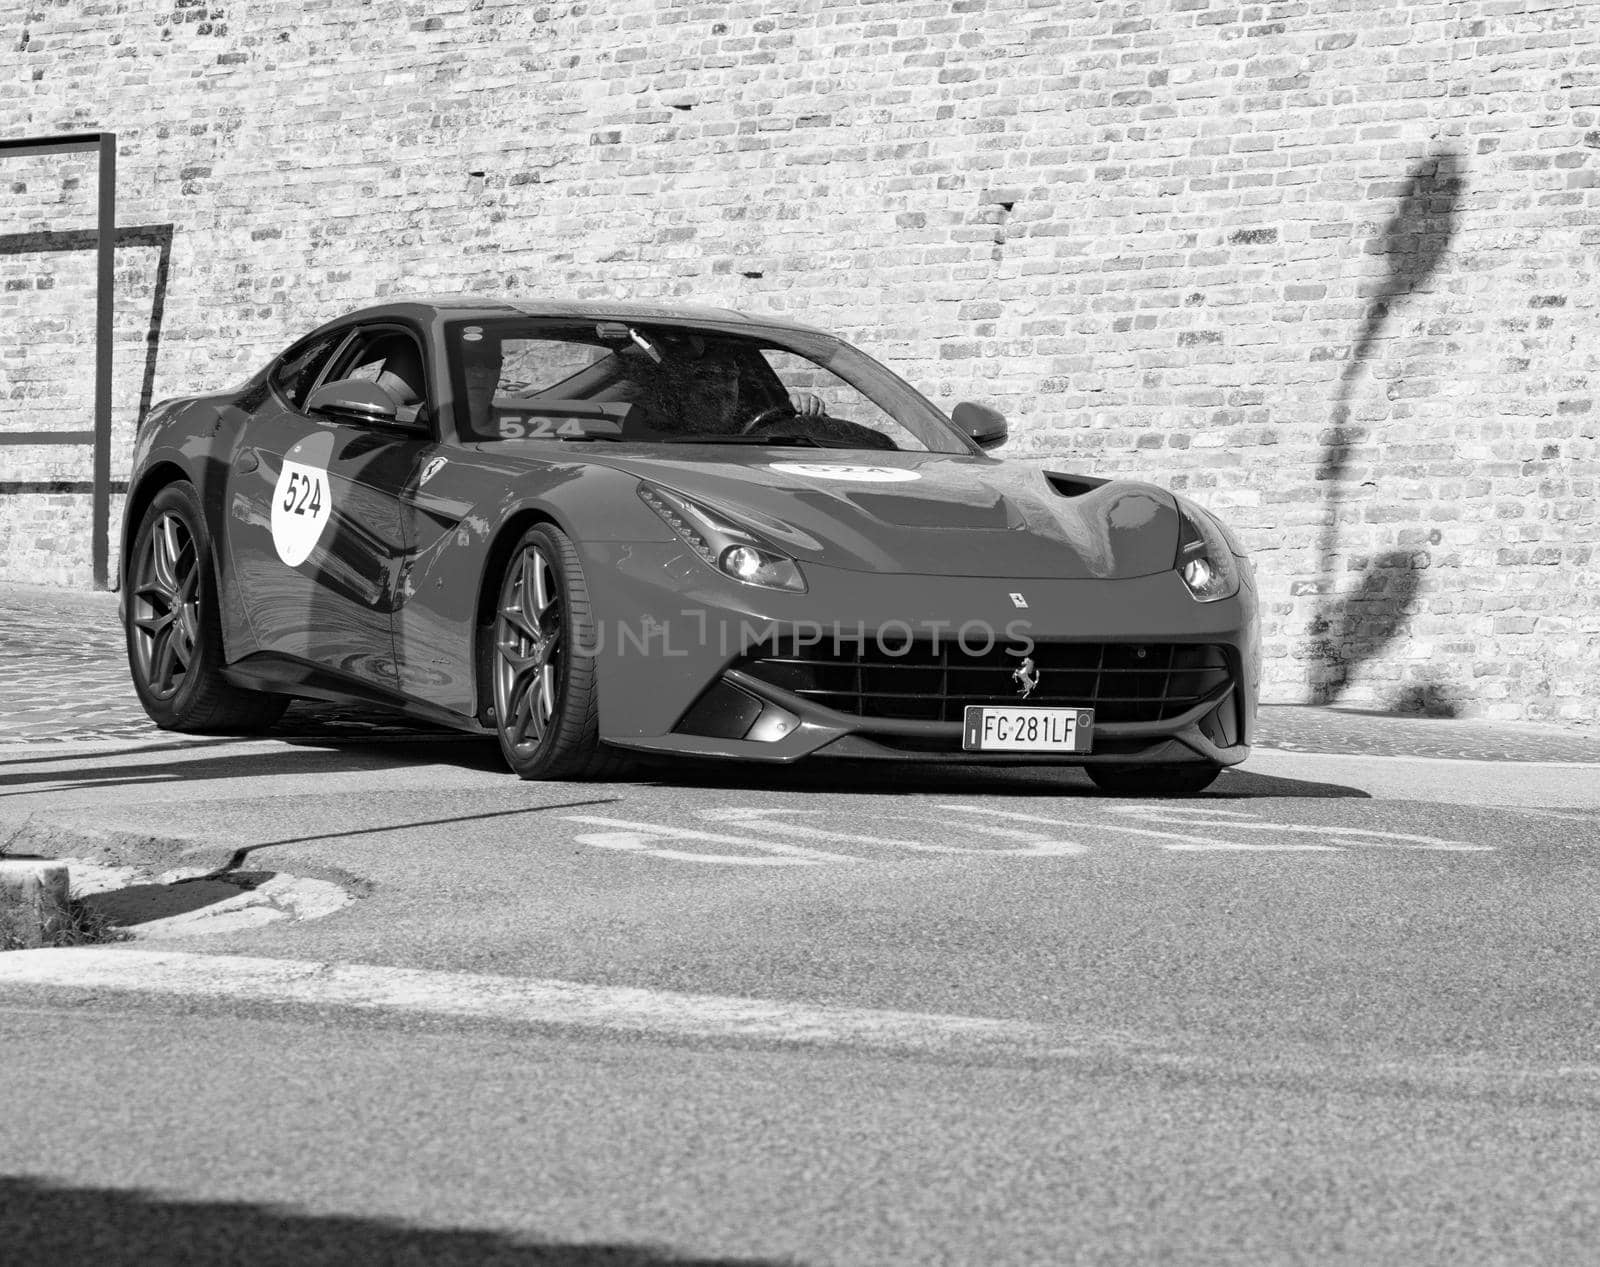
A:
<point x="1268" y="255"/>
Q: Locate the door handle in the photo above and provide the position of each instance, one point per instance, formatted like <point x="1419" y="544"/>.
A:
<point x="247" y="461"/>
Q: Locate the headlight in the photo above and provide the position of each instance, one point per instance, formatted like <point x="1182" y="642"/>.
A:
<point x="730" y="548"/>
<point x="1205" y="559"/>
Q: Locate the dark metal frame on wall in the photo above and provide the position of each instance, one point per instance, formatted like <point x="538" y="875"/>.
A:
<point x="105" y="145"/>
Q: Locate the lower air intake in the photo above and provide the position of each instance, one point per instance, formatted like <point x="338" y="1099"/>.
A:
<point x="935" y="681"/>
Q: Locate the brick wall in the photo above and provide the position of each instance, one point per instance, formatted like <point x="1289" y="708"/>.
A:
<point x="1330" y="267"/>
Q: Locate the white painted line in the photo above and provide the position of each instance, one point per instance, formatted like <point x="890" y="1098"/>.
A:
<point x="1185" y="843"/>
<point x="1036" y="846"/>
<point x="1198" y="817"/>
<point x="1553" y="813"/>
<point x="764" y="821"/>
<point x="649" y="838"/>
<point x="517" y="1000"/>
<point x="751" y="818"/>
<point x="617" y="1010"/>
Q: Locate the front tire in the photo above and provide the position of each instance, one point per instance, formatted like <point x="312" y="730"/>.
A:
<point x="1153" y="780"/>
<point x="546" y="703"/>
<point x="174" y="627"/>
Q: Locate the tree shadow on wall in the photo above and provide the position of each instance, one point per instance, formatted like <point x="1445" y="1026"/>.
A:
<point x="1351" y="628"/>
<point x="1360" y="624"/>
<point x="98" y="1227"/>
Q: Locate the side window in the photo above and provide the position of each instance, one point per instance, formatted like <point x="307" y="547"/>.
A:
<point x="393" y="359"/>
<point x="532" y="367"/>
<point x="533" y="385"/>
<point x="295" y="373"/>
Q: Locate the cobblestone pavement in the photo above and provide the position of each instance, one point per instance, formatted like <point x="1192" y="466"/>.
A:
<point x="63" y="676"/>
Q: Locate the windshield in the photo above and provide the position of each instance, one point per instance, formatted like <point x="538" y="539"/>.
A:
<point x="659" y="383"/>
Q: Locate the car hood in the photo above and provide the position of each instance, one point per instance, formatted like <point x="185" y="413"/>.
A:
<point x="928" y="514"/>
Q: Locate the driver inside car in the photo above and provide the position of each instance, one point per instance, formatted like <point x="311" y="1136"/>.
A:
<point x="696" y="391"/>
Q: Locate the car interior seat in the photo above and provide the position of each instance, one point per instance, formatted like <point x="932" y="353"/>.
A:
<point x="402" y="375"/>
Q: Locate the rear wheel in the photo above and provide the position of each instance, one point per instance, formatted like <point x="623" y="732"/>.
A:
<point x="546" y="705"/>
<point x="1153" y="780"/>
<point x="174" y="630"/>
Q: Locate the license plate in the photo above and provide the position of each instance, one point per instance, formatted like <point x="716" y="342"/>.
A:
<point x="1027" y="729"/>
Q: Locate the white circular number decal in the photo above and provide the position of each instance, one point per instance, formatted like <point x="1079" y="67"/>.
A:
<point x="850" y="474"/>
<point x="302" y="501"/>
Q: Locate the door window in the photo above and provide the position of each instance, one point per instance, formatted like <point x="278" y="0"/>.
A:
<point x="393" y="360"/>
<point x="296" y="371"/>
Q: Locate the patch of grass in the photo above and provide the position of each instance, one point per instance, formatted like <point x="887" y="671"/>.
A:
<point x="84" y="926"/>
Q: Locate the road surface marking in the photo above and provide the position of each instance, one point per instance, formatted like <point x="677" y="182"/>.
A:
<point x="649" y="838"/>
<point x="577" y="1008"/>
<point x="752" y="818"/>
<point x="1039" y="846"/>
<point x="1179" y="813"/>
<point x="761" y="819"/>
<point x="518" y="1000"/>
<point x="769" y="834"/>
<point x="1181" y="841"/>
<point x="1369" y="837"/>
<point x="1554" y="813"/>
<point x="1195" y="816"/>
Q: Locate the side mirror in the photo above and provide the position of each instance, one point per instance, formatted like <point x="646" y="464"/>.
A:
<point x="984" y="426"/>
<point x="354" y="400"/>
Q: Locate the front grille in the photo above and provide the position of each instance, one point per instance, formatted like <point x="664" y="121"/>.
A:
<point x="935" y="680"/>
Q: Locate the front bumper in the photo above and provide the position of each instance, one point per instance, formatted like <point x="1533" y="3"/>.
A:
<point x="655" y="668"/>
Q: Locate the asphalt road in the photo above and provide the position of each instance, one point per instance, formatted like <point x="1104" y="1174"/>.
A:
<point x="1342" y="1010"/>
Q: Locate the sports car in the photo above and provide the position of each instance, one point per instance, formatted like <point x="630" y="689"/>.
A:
<point x="603" y="530"/>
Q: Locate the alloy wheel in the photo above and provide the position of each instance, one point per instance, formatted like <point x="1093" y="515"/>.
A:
<point x="166" y="606"/>
<point x="528" y="650"/>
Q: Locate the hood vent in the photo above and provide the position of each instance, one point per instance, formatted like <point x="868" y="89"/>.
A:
<point x="1073" y="485"/>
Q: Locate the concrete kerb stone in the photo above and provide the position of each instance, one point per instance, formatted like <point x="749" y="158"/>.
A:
<point x="33" y="902"/>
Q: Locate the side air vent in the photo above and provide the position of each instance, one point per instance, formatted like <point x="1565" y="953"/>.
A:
<point x="1073" y="485"/>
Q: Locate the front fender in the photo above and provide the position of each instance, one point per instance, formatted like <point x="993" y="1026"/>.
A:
<point x="460" y="541"/>
<point x="193" y="439"/>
